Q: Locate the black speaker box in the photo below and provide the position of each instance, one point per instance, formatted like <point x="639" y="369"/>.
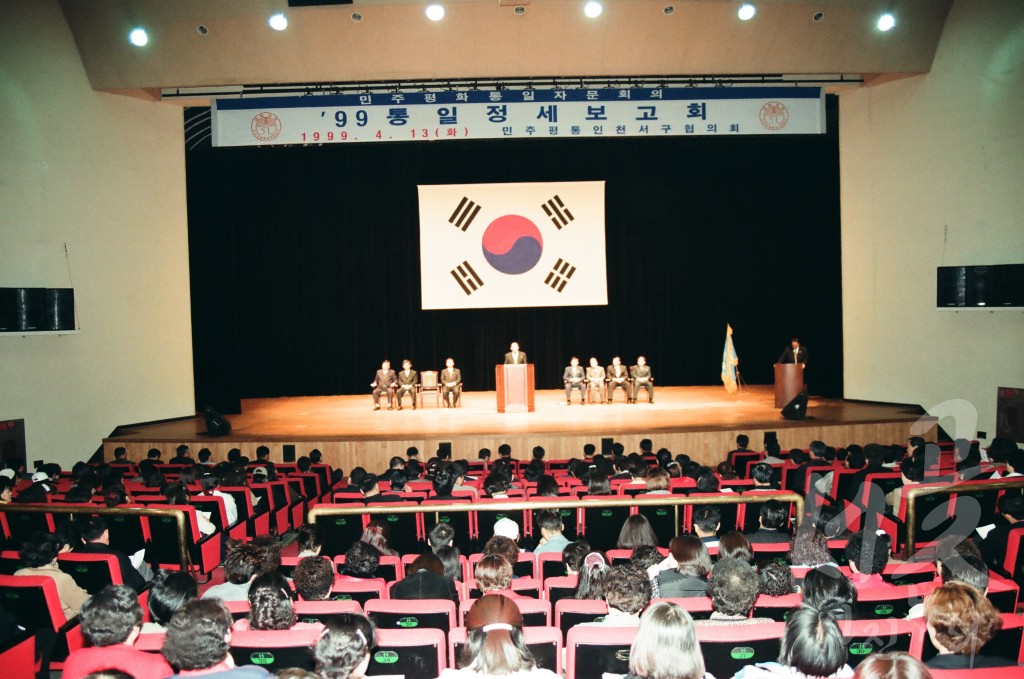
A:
<point x="216" y="424"/>
<point x="797" y="408"/>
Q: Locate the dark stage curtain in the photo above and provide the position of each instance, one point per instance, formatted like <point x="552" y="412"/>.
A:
<point x="305" y="261"/>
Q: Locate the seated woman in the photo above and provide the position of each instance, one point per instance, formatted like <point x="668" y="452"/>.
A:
<point x="892" y="666"/>
<point x="867" y="554"/>
<point x="812" y="646"/>
<point x="495" y="644"/>
<point x="343" y="650"/>
<point x="733" y="588"/>
<point x="687" y="568"/>
<point x="270" y="606"/>
<point x="425" y="580"/>
<point x="636" y="532"/>
<point x="666" y="646"/>
<point x="809" y="548"/>
<point x="735" y="545"/>
<point x="960" y="622"/>
<point x="170" y="591"/>
<point x="361" y="562"/>
<point x="39" y="557"/>
<point x="827" y="589"/>
<point x="493" y="575"/>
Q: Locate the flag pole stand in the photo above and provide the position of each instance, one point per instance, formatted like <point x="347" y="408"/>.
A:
<point x="740" y="384"/>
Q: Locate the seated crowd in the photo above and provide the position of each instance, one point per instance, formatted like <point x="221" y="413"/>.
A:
<point x="821" y="563"/>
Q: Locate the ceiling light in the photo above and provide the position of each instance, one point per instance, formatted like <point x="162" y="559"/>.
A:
<point x="668" y="9"/>
<point x="593" y="9"/>
<point x="356" y="16"/>
<point x="886" y="22"/>
<point x="519" y="10"/>
<point x="202" y="29"/>
<point x="138" y="37"/>
<point x="278" y="22"/>
<point x="817" y="16"/>
<point x="435" y="12"/>
<point x="746" y="12"/>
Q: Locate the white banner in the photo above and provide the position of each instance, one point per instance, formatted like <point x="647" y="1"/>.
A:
<point x="518" y="113"/>
<point x="512" y="245"/>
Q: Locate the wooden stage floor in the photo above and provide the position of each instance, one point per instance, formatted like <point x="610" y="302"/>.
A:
<point x="700" y="421"/>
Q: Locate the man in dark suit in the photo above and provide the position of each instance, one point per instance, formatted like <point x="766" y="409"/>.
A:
<point x="451" y="384"/>
<point x="382" y="383"/>
<point x="97" y="541"/>
<point x="369" y="486"/>
<point x="407" y="383"/>
<point x="618" y="378"/>
<point x="794" y="353"/>
<point x="993" y="547"/>
<point x="642" y="379"/>
<point x="771" y="523"/>
<point x="514" y="355"/>
<point x="573" y="379"/>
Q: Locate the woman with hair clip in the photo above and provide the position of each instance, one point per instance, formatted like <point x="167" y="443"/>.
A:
<point x="375" y="534"/>
<point x="270" y="606"/>
<point x="494" y="644"/>
<point x="591" y="577"/>
<point x="343" y="651"/>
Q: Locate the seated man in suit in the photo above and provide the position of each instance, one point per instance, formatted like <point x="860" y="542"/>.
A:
<point x="514" y="355"/>
<point x="451" y="384"/>
<point x="573" y="378"/>
<point x="407" y="380"/>
<point x="618" y="378"/>
<point x="595" y="381"/>
<point x="382" y="383"/>
<point x="97" y="541"/>
<point x="641" y="374"/>
<point x="794" y="353"/>
<point x="771" y="523"/>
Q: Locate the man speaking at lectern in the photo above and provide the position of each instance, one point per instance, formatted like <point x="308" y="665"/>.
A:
<point x="515" y="356"/>
<point x="794" y="353"/>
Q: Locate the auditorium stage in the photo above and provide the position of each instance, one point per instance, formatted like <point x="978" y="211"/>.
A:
<point x="700" y="421"/>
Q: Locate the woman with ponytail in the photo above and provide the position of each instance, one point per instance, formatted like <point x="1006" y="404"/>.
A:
<point x="270" y="606"/>
<point x="494" y="645"/>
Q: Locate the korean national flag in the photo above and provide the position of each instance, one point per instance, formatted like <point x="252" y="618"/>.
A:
<point x="512" y="245"/>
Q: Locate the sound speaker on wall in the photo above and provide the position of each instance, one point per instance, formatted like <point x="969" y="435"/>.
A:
<point x="216" y="424"/>
<point x="797" y="408"/>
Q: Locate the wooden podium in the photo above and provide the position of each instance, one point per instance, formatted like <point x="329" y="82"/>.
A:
<point x="789" y="382"/>
<point x="515" y="388"/>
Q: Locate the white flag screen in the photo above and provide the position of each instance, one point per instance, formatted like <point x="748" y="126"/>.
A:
<point x="512" y="245"/>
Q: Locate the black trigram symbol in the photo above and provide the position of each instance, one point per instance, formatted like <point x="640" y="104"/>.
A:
<point x="559" y="213"/>
<point x="464" y="214"/>
<point x="559" y="275"/>
<point x="467" y="278"/>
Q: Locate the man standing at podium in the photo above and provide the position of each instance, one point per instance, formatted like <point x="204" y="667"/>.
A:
<point x="794" y="353"/>
<point x="515" y="356"/>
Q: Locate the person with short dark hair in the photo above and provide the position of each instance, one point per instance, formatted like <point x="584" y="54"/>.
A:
<point x="97" y="541"/>
<point x="384" y="382"/>
<point x="895" y="665"/>
<point x="762" y="475"/>
<point x="642" y="379"/>
<point x="181" y="455"/>
<point x="242" y="564"/>
<point x="39" y="557"/>
<point x="425" y="579"/>
<point x="170" y="591"/>
<point x="707" y="521"/>
<point x="685" y="573"/>
<point x="733" y="587"/>
<point x="369" y="486"/>
<point x="771" y="522"/>
<point x="199" y="641"/>
<point x="812" y="646"/>
<point x="450" y="384"/>
<point x="573" y="555"/>
<point x="208" y="485"/>
<point x="735" y="545"/>
<point x="549" y="521"/>
<point x="794" y="353"/>
<point x="742" y="441"/>
<point x="343" y="649"/>
<point x="313" y="577"/>
<point x="993" y="546"/>
<point x="444" y="483"/>
<point x="867" y="554"/>
<point x="271" y="607"/>
<point x="361" y="562"/>
<point x="911" y="474"/>
<point x="627" y="590"/>
<point x="776" y="579"/>
<point x="111" y="622"/>
<point x="826" y="588"/>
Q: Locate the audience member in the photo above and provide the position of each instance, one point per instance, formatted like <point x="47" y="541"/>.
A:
<point x="361" y="562"/>
<point x="684" y="573"/>
<point x="810" y="548"/>
<point x="771" y="522"/>
<point x="425" y="579"/>
<point x="733" y="588"/>
<point x="776" y="579"/>
<point x="867" y="554"/>
<point x="111" y="621"/>
<point x="452" y="562"/>
<point x="812" y="646"/>
<point x="891" y="666"/>
<point x="271" y="607"/>
<point x="627" y="590"/>
<point x="343" y="650"/>
<point x="495" y="644"/>
<point x="493" y="575"/>
<point x="313" y="577"/>
<point x="636" y="532"/>
<point x="309" y="541"/>
<point x="97" y="541"/>
<point x="574" y="554"/>
<point x="199" y="640"/>
<point x="376" y="535"/>
<point x="39" y="557"/>
<point x="170" y="591"/>
<point x="707" y="521"/>
<point x="241" y="565"/>
<point x="960" y="620"/>
<point x="549" y="521"/>
<point x="735" y="545"/>
<point x="993" y="546"/>
<point x="590" y="584"/>
<point x="666" y="646"/>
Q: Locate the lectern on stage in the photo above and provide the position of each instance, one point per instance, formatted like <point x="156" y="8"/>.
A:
<point x="789" y="382"/>
<point x="515" y="388"/>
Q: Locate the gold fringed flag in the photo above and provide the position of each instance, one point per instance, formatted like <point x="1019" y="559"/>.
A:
<point x="729" y="362"/>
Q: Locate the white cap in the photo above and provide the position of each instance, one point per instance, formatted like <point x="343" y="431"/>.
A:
<point x="507" y="528"/>
<point x="40" y="476"/>
<point x="9" y="473"/>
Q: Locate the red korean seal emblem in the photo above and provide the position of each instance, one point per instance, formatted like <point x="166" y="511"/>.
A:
<point x="265" y="126"/>
<point x="774" y="116"/>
